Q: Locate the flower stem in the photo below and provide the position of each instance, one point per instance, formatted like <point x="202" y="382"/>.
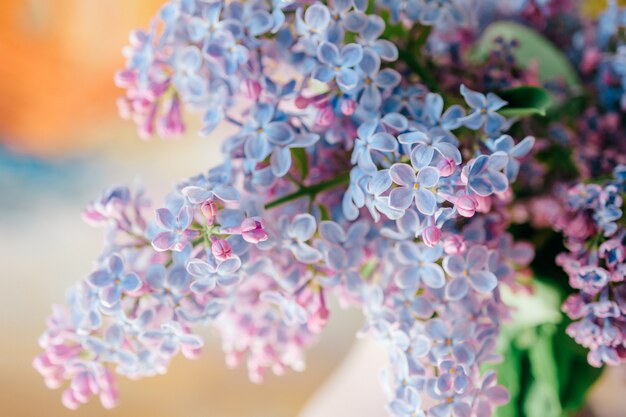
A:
<point x="310" y="191"/>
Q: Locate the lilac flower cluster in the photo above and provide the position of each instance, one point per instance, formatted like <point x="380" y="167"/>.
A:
<point x="596" y="238"/>
<point x="345" y="178"/>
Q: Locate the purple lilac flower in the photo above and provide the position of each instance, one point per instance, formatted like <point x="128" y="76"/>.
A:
<point x="469" y="271"/>
<point x="413" y="187"/>
<point x="485" y="111"/>
<point x="112" y="281"/>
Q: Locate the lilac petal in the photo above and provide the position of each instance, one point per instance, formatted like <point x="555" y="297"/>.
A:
<point x="379" y="182"/>
<point x="463" y="354"/>
<point x="498" y="160"/>
<point x="279" y="133"/>
<point x="483" y="281"/>
<point x="110" y="295"/>
<point x="116" y="265"/>
<point x="421" y="156"/>
<point x="371" y="98"/>
<point x="499" y="181"/>
<point x="164" y="241"/>
<point x="199" y="268"/>
<point x="402" y="174"/>
<point x="304" y="140"/>
<point x="523" y="148"/>
<point x="156" y="276"/>
<point x="332" y="232"/>
<point x="347" y="79"/>
<point x="305" y="253"/>
<point x="478" y="165"/>
<point x="328" y="54"/>
<point x="436" y="330"/>
<point x="317" y="16"/>
<point x="323" y="73"/>
<point x="477" y="258"/>
<point x="226" y="193"/>
<point x="259" y="23"/>
<point x="351" y="55"/>
<point x="420" y="346"/>
<point x="229" y="266"/>
<point x="375" y="27"/>
<point x="494" y="122"/>
<point x="382" y="141"/>
<point x="408" y="278"/>
<point x="428" y="177"/>
<point x="495" y="102"/>
<point x="357" y="232"/>
<point x="387" y="50"/>
<point x="474" y="120"/>
<point x="336" y="259"/>
<point x="497" y="395"/>
<point x="100" y="279"/>
<point x="454" y="265"/>
<point x="228" y="280"/>
<point x="481" y="187"/>
<point x="256" y="148"/>
<point x="400" y="198"/>
<point x="177" y="278"/>
<point x="184" y="217"/>
<point x="367" y="129"/>
<point x="197" y="195"/>
<point x="263" y="113"/>
<point x="450" y="119"/>
<point x="432" y="275"/>
<point x="395" y="121"/>
<point x="303" y="226"/>
<point x="365" y="161"/>
<point x="388" y="78"/>
<point x="280" y="161"/>
<point x="457" y="289"/>
<point x="473" y="98"/>
<point x="203" y="285"/>
<point x="191" y="341"/>
<point x="131" y="282"/>
<point x="370" y="64"/>
<point x="190" y="58"/>
<point x="408" y="252"/>
<point x="165" y="219"/>
<point x="413" y="137"/>
<point x="461" y="409"/>
<point x="114" y="335"/>
<point x="425" y="201"/>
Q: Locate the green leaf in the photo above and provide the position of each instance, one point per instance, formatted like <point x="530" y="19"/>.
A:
<point x="301" y="160"/>
<point x="525" y="101"/>
<point x="324" y="214"/>
<point x="533" y="47"/>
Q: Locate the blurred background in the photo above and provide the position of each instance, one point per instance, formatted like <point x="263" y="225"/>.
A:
<point x="61" y="143"/>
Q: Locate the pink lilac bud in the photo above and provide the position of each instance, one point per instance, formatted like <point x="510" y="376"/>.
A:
<point x="220" y="249"/>
<point x="446" y="167"/>
<point x="325" y="117"/>
<point x="171" y="124"/>
<point x="317" y="321"/>
<point x="454" y="245"/>
<point x="348" y="106"/>
<point x="251" y="89"/>
<point x="431" y="235"/>
<point x="484" y="204"/>
<point x="209" y="210"/>
<point x="253" y="231"/>
<point x="302" y="102"/>
<point x="146" y="129"/>
<point x="466" y="205"/>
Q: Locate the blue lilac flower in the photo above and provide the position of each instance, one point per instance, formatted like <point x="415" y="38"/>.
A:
<point x="467" y="271"/>
<point x="367" y="141"/>
<point x="112" y="281"/>
<point x="506" y="144"/>
<point x="173" y="237"/>
<point x="484" y="110"/>
<point x="375" y="81"/>
<point x="338" y="64"/>
<point x="414" y="187"/>
<point x="419" y="265"/>
<point x="209" y="274"/>
<point x="484" y="174"/>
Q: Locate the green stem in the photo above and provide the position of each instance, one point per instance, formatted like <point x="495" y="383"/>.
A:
<point x="310" y="191"/>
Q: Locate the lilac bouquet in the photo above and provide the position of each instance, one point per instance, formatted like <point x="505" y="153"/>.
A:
<point x="390" y="154"/>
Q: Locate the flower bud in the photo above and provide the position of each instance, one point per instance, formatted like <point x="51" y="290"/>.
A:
<point x="431" y="236"/>
<point x="325" y="117"/>
<point x="466" y="205"/>
<point x="251" y="89"/>
<point x="252" y="230"/>
<point x="209" y="210"/>
<point x="220" y="249"/>
<point x="348" y="106"/>
<point x="446" y="167"/>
